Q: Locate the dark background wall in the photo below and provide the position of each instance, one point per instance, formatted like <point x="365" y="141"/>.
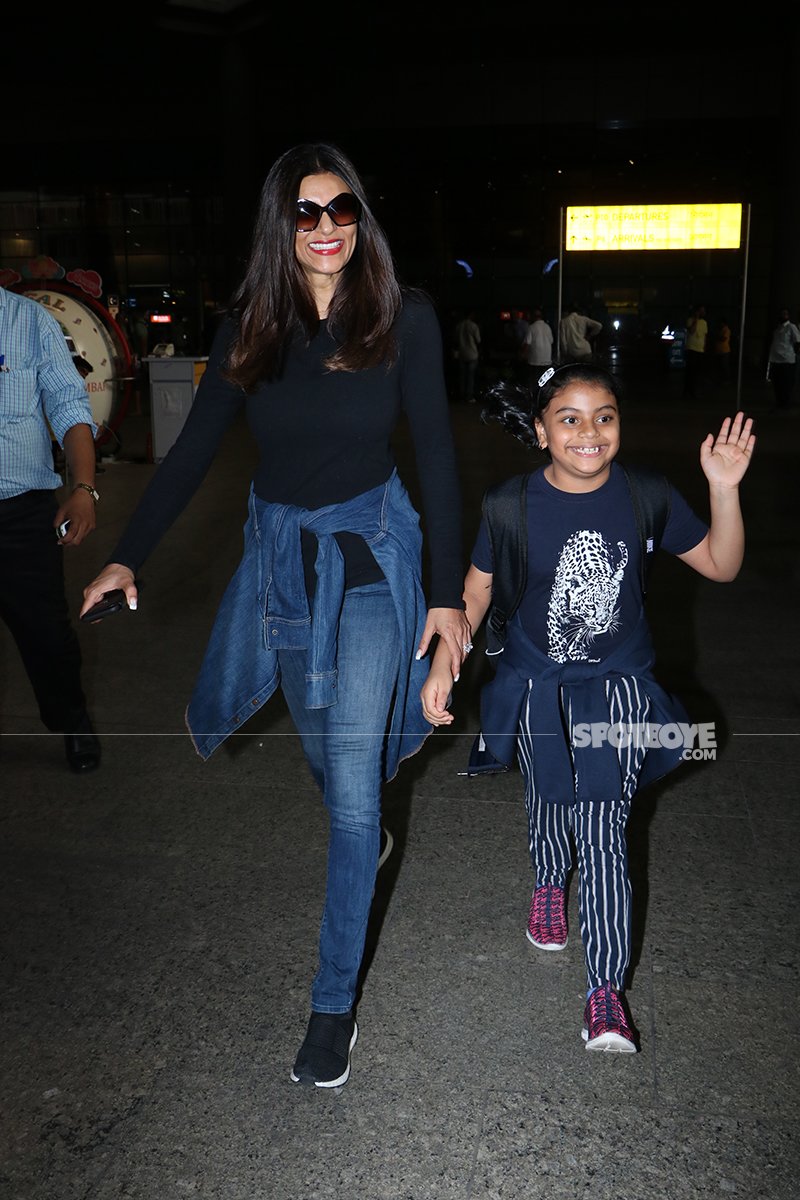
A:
<point x="473" y="131"/>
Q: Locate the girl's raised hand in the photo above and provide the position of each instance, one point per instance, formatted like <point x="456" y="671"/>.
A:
<point x="725" y="459"/>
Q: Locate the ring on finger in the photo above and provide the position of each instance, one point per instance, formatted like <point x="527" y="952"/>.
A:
<point x="467" y="647"/>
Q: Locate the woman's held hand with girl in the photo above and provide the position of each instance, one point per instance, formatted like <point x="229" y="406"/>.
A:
<point x="445" y="670"/>
<point x="454" y="632"/>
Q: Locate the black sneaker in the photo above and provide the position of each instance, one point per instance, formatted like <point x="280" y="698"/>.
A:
<point x="324" y="1057"/>
<point x="387" y="841"/>
<point x="82" y="752"/>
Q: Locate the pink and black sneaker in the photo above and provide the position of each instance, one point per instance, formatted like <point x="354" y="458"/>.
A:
<point x="605" y="1025"/>
<point x="547" y="923"/>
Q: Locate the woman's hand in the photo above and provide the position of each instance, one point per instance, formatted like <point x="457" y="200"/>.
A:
<point x="454" y="630"/>
<point x="725" y="459"/>
<point x="111" y="577"/>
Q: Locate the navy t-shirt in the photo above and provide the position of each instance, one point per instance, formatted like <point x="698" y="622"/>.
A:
<point x="584" y="555"/>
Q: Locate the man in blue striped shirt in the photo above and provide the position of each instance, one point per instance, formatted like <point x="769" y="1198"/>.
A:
<point x="42" y="396"/>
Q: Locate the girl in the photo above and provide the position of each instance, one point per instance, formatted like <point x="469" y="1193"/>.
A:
<point x="559" y="564"/>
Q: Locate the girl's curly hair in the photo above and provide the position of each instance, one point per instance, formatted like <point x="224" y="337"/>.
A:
<point x="511" y="405"/>
<point x="517" y="407"/>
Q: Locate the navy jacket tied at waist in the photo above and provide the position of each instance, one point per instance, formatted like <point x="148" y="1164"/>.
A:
<point x="579" y="688"/>
<point x="265" y="609"/>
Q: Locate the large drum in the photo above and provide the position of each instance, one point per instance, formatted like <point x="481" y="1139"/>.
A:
<point x="95" y="335"/>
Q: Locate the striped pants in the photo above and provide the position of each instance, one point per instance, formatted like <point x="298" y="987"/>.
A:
<point x="597" y="828"/>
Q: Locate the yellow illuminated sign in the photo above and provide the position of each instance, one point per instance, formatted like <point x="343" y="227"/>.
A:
<point x="654" y="227"/>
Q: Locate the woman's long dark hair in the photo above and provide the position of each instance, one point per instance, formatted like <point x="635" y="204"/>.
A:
<point x="274" y="303"/>
<point x="517" y="407"/>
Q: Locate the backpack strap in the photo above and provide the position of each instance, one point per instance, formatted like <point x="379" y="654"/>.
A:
<point x="504" y="508"/>
<point x="650" y="496"/>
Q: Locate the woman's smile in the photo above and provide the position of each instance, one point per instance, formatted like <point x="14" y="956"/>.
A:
<point x="332" y="247"/>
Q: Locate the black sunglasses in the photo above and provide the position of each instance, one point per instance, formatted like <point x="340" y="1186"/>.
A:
<point x="344" y="209"/>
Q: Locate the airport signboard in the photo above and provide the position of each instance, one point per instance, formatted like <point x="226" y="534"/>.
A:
<point x="653" y="227"/>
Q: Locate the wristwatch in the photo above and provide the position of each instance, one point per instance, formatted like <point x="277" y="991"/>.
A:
<point x="87" y="487"/>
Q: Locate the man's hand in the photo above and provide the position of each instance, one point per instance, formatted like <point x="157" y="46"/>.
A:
<point x="79" y="510"/>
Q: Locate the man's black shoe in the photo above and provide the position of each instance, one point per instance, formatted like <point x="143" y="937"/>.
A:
<point x="82" y="751"/>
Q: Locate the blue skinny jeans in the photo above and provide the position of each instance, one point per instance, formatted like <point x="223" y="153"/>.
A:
<point x="345" y="745"/>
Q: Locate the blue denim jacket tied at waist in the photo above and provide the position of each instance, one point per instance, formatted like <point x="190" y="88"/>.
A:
<point x="579" y="688"/>
<point x="265" y="609"/>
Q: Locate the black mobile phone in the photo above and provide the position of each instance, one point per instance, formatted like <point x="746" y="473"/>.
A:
<point x="110" y="603"/>
<point x="61" y="530"/>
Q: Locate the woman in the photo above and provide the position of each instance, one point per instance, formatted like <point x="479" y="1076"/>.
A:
<point x="325" y="349"/>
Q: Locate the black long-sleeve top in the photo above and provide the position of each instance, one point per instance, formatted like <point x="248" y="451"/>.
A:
<point x="323" y="437"/>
